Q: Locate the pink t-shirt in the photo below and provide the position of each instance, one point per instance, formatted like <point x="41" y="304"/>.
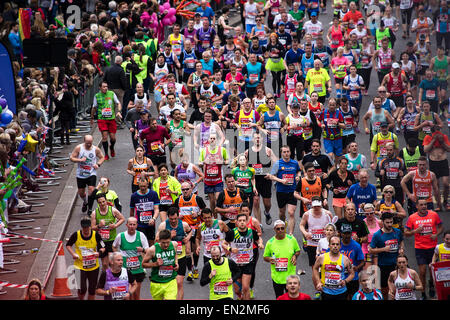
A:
<point x="365" y="245"/>
<point x="336" y="62"/>
<point x="239" y="77"/>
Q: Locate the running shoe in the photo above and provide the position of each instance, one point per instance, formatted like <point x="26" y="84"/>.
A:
<point x="252" y="294"/>
<point x="431" y="291"/>
<point x="317" y="296"/>
<point x="113" y="152"/>
<point x="84" y="208"/>
<point x="189" y="277"/>
<point x="195" y="273"/>
<point x="268" y="219"/>
<point x="106" y="158"/>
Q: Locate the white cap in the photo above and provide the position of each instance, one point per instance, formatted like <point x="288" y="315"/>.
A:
<point x="395" y="65"/>
<point x="316" y="203"/>
<point x="279" y="222"/>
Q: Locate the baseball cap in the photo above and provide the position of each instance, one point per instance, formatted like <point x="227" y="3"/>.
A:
<point x="345" y="228"/>
<point x="395" y="65"/>
<point x="279" y="222"/>
<point x="314" y="14"/>
<point x="422" y="37"/>
<point x="383" y="124"/>
<point x="144" y="111"/>
<point x="281" y="23"/>
<point x="360" y="22"/>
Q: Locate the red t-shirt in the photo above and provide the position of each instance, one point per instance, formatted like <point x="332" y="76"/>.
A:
<point x="352" y="18"/>
<point x="301" y="296"/>
<point x="437" y="144"/>
<point x="430" y="222"/>
<point x="154" y="139"/>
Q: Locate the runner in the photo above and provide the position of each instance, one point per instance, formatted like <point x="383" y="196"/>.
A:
<point x="140" y="166"/>
<point x="116" y="282"/>
<point x="406" y="118"/>
<point x="188" y="172"/>
<point x="362" y="192"/>
<point x="89" y="159"/>
<point x="389" y="204"/>
<point x="162" y="257"/>
<point x="373" y="225"/>
<point x="181" y="234"/>
<point x="317" y="79"/>
<point x="245" y="178"/>
<point x="332" y="272"/>
<point x="390" y="170"/>
<point x="132" y="245"/>
<point x="338" y="183"/>
<point x="442" y="251"/>
<point x="84" y="246"/>
<point x="229" y="201"/>
<point x="293" y="289"/>
<point x="106" y="108"/>
<point x="404" y="281"/>
<point x="190" y="206"/>
<point x="105" y="220"/>
<point x="273" y="124"/>
<point x="424" y="184"/>
<point x="286" y="173"/>
<point x="378" y="148"/>
<point x="425" y="225"/>
<point x="296" y="123"/>
<point x="367" y="291"/>
<point x="239" y="244"/>
<point x="144" y="206"/>
<point x="312" y="227"/>
<point x="356" y="161"/>
<point x="281" y="252"/>
<point x="212" y="233"/>
<point x="321" y="162"/>
<point x="205" y="129"/>
<point x="156" y="139"/>
<point x="310" y="186"/>
<point x="211" y="160"/>
<point x="168" y="189"/>
<point x="332" y="123"/>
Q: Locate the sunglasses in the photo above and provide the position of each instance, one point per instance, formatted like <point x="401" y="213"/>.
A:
<point x="372" y="212"/>
<point x="389" y="191"/>
<point x="186" y="189"/>
<point x="382" y="91"/>
<point x="279" y="229"/>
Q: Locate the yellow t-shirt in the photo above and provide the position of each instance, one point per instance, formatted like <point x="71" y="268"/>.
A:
<point x="317" y="81"/>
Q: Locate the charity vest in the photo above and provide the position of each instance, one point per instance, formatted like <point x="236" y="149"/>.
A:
<point x="105" y="233"/>
<point x="218" y="288"/>
<point x="382" y="141"/>
<point x="85" y="249"/>
<point x="213" y="167"/>
<point x="138" y="168"/>
<point x="177" y="133"/>
<point x="105" y="105"/>
<point x="411" y="161"/>
<point x="165" y="272"/>
<point x="86" y="168"/>
<point x="332" y="273"/>
<point x="244" y="244"/>
<point x="273" y="126"/>
<point x="120" y="283"/>
<point x="177" y="44"/>
<point x="422" y="186"/>
<point x="444" y="253"/>
<point x="127" y="72"/>
<point x="211" y="236"/>
<point x="310" y="190"/>
<point x="187" y="209"/>
<point x="427" y="129"/>
<point x="232" y="202"/>
<point x="395" y="85"/>
<point x="253" y="74"/>
<point x="380" y="35"/>
<point x="246" y="132"/>
<point x="132" y="259"/>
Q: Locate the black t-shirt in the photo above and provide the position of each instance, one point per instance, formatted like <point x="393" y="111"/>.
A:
<point x="322" y="162"/>
<point x="336" y="182"/>
<point x="197" y="116"/>
<point x="358" y="226"/>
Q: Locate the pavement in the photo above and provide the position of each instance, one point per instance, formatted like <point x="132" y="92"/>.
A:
<point x="61" y="214"/>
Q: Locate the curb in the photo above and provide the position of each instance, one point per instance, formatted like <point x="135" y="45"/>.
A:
<point x="43" y="263"/>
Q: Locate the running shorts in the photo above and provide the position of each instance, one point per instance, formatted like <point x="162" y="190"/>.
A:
<point x="439" y="168"/>
<point x="107" y="125"/>
<point x="86" y="182"/>
<point x="164" y="291"/>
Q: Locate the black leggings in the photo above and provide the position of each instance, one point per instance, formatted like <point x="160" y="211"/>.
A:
<point x="296" y="146"/>
<point x="92" y="278"/>
<point x="406" y="17"/>
<point x="276" y="81"/>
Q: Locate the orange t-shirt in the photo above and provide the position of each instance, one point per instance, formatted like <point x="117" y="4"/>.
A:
<point x="429" y="222"/>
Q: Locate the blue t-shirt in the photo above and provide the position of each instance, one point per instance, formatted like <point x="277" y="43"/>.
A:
<point x="286" y="170"/>
<point x="430" y="89"/>
<point x="360" y="295"/>
<point x="381" y="239"/>
<point x="292" y="56"/>
<point x="359" y="195"/>
<point x="208" y="12"/>
<point x="354" y="252"/>
<point x="143" y="206"/>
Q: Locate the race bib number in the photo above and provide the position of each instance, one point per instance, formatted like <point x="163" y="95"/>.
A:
<point x="404" y="293"/>
<point x="430" y="94"/>
<point x="145" y="216"/>
<point x="317" y="234"/>
<point x="289" y="177"/>
<point x="155" y="145"/>
<point x="392" y="244"/>
<point x="88" y="258"/>
<point x="212" y="171"/>
<point x="221" y="288"/>
<point x="179" y="247"/>
<point x="254" y="77"/>
<point x="281" y="264"/>
<point x="120" y="293"/>
<point x="258" y="168"/>
<point x="104" y="233"/>
<point x="332" y="279"/>
<point x="165" y="271"/>
<point x="107" y="112"/>
<point x="243" y="182"/>
<point x="354" y="94"/>
<point x="243" y="258"/>
<point x="132" y="263"/>
<point x="318" y="87"/>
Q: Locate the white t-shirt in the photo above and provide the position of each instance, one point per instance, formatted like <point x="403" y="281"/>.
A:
<point x="313" y="29"/>
<point x="166" y="110"/>
<point x="129" y="238"/>
<point x="415" y="22"/>
<point x="251" y="12"/>
<point x="322" y="246"/>
<point x="392" y="103"/>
